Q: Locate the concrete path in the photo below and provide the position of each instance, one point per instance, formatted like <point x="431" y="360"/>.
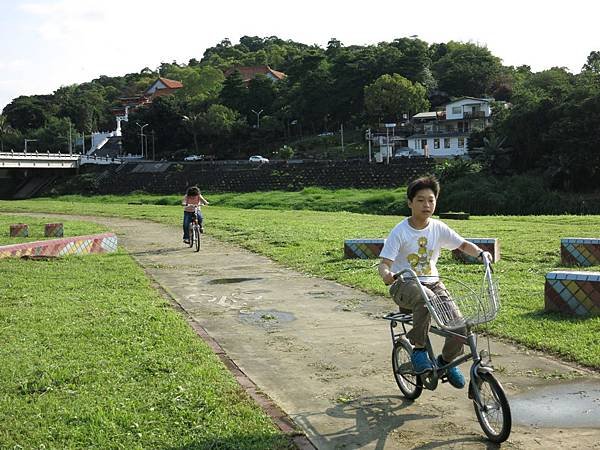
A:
<point x="322" y="353"/>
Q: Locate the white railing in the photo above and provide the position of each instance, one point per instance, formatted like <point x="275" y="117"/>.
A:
<point x="93" y="159"/>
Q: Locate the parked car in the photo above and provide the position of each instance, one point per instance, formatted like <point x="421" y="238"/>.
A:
<point x="194" y="158"/>
<point x="405" y="152"/>
<point x="325" y="133"/>
<point x="258" y="159"/>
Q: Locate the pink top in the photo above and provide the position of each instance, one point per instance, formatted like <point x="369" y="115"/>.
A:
<point x="191" y="201"/>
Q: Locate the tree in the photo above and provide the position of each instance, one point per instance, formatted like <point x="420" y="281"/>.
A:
<point x="391" y="96"/>
<point x="261" y="95"/>
<point x="194" y="124"/>
<point x="466" y="69"/>
<point x="593" y="62"/>
<point x="5" y="129"/>
<point x="234" y="93"/>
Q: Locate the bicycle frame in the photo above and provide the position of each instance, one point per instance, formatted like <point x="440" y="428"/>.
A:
<point x="431" y="381"/>
<point x="488" y="396"/>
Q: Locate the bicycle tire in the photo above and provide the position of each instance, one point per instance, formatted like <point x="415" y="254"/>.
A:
<point x="197" y="237"/>
<point x="191" y="235"/>
<point x="410" y="384"/>
<point x="495" y="406"/>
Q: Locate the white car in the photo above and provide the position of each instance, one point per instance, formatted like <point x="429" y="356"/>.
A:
<point x="258" y="159"/>
<point x="194" y="158"/>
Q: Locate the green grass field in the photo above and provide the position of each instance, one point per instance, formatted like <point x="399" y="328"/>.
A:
<point x="36" y="228"/>
<point x="93" y="357"/>
<point x="312" y="242"/>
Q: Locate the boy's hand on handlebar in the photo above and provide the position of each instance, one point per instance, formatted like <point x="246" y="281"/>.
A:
<point x="486" y="256"/>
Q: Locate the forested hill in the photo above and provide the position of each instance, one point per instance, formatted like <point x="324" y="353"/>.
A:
<point x="552" y="125"/>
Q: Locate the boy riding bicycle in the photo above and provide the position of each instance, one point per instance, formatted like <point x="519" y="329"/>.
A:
<point x="192" y="199"/>
<point x="415" y="243"/>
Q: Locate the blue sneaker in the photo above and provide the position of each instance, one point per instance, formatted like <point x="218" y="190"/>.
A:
<point x="455" y="376"/>
<point x="420" y="361"/>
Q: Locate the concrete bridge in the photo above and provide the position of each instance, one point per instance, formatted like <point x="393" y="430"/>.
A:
<point x="37" y="160"/>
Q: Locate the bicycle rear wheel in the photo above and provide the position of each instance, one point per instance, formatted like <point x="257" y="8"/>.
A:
<point x="191" y="235"/>
<point x="197" y="237"/>
<point x="409" y="383"/>
<point x="494" y="415"/>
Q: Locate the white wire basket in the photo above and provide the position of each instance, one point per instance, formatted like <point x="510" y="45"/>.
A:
<point x="459" y="305"/>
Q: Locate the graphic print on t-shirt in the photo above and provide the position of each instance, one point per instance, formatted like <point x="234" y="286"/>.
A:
<point x="420" y="261"/>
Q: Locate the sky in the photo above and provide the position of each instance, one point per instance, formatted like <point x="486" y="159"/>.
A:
<point x="46" y="44"/>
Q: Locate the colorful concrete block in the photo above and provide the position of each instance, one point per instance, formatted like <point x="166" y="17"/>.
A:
<point x="582" y="252"/>
<point x="19" y="230"/>
<point x="574" y="293"/>
<point x="363" y="248"/>
<point x="53" y="230"/>
<point x="77" y="245"/>
<point x="491" y="245"/>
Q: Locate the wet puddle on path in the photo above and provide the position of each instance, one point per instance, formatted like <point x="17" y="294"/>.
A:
<point x="231" y="280"/>
<point x="268" y="317"/>
<point x="565" y="405"/>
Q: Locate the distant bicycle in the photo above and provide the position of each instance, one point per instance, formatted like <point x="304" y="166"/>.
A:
<point x="195" y="230"/>
<point x="465" y="308"/>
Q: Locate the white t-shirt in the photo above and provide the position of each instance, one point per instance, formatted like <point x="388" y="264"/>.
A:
<point x="419" y="250"/>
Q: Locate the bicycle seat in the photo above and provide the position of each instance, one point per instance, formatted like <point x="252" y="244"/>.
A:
<point x="399" y="317"/>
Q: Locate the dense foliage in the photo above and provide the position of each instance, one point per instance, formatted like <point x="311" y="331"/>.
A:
<point x="550" y="127"/>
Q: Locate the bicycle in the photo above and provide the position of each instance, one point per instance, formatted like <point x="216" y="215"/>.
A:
<point x="194" y="230"/>
<point x="463" y="310"/>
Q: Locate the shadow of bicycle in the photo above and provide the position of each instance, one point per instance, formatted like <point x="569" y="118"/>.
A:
<point x="374" y="421"/>
<point x="161" y="251"/>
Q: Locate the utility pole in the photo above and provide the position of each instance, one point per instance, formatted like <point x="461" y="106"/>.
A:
<point x="257" y="117"/>
<point x="28" y="140"/>
<point x="70" y="145"/>
<point x="153" y="154"/>
<point x="142" y="137"/>
<point x="369" y="140"/>
<point x="342" y="135"/>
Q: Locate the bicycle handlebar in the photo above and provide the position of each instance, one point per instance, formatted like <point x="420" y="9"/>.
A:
<point x="487" y="263"/>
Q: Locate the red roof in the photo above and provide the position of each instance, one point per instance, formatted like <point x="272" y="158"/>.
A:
<point x="171" y="84"/>
<point x="250" y="72"/>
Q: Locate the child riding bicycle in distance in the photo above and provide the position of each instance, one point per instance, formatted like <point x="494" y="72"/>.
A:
<point x="415" y="243"/>
<point x="191" y="199"/>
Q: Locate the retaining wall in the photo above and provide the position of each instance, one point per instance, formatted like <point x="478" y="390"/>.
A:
<point x="168" y="178"/>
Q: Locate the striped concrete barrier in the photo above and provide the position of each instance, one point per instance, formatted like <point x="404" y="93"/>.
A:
<point x="77" y="245"/>
<point x="582" y="252"/>
<point x="363" y="248"/>
<point x="19" y="230"/>
<point x="491" y="245"/>
<point x="53" y="230"/>
<point x="574" y="293"/>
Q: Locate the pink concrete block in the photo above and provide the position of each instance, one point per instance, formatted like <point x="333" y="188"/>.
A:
<point x="19" y="230"/>
<point x="77" y="245"/>
<point x="53" y="230"/>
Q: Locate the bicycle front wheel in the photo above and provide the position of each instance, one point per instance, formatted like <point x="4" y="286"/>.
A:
<point x="494" y="413"/>
<point x="409" y="383"/>
<point x="191" y="235"/>
<point x="197" y="237"/>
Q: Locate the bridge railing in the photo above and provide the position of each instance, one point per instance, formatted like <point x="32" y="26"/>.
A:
<point x="38" y="155"/>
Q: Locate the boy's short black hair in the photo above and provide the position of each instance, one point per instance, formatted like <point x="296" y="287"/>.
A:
<point x="193" y="191"/>
<point x="427" y="182"/>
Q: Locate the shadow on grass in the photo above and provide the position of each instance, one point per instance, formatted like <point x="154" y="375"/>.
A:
<point x="557" y="317"/>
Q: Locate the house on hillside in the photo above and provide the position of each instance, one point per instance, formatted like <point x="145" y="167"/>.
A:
<point x="162" y="86"/>
<point x="445" y="133"/>
<point x="249" y="72"/>
<point x="108" y="143"/>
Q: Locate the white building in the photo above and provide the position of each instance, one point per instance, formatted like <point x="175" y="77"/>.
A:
<point x="446" y="133"/>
